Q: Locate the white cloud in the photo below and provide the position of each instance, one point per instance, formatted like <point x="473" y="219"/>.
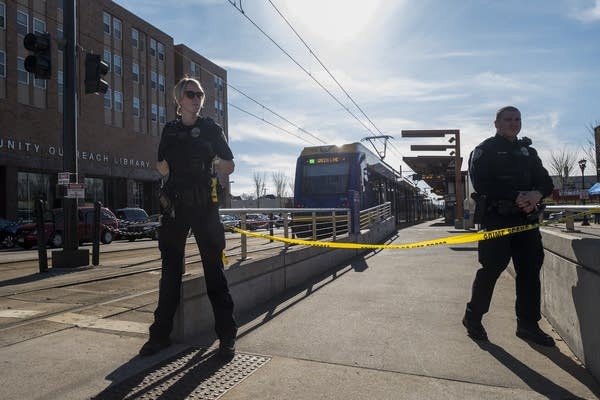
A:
<point x="591" y="14"/>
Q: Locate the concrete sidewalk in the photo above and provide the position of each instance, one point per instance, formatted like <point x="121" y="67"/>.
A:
<point x="385" y="327"/>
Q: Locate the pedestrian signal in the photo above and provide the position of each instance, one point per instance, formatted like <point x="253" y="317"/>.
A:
<point x="95" y="69"/>
<point x="40" y="62"/>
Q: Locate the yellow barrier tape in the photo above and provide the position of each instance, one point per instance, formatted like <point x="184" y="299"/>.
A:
<point x="457" y="239"/>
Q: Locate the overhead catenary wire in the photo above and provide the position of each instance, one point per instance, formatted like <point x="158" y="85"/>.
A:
<point x="312" y="52"/>
<point x="127" y="56"/>
<point x="301" y="67"/>
<point x="269" y="123"/>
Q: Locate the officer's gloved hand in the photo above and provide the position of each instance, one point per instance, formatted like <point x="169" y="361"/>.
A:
<point x="527" y="201"/>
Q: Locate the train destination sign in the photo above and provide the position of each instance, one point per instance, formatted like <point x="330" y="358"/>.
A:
<point x="325" y="160"/>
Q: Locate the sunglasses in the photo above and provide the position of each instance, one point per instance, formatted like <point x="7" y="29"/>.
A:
<point x="190" y="94"/>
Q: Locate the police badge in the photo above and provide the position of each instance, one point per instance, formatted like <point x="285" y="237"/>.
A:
<point x="195" y="132"/>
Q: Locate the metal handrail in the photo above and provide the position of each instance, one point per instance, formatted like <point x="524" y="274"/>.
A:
<point x="573" y="208"/>
<point x="307" y="223"/>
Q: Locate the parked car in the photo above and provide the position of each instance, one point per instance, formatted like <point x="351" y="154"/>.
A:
<point x="278" y="220"/>
<point x="135" y="223"/>
<point x="256" y="221"/>
<point x="54" y="228"/>
<point x="8" y="233"/>
<point x="230" y="221"/>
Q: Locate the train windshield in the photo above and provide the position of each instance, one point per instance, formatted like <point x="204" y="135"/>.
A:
<point x="325" y="178"/>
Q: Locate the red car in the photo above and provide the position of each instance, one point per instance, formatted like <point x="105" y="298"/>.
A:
<point x="54" y="228"/>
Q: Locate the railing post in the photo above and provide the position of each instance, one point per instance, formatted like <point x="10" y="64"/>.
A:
<point x="243" y="238"/>
<point x="349" y="217"/>
<point x="570" y="224"/>
<point x="314" y="225"/>
<point x="41" y="235"/>
<point x="271" y="226"/>
<point x="96" y="237"/>
<point x="285" y="229"/>
<point x="334" y="223"/>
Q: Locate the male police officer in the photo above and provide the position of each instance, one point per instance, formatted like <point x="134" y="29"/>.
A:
<point x="510" y="182"/>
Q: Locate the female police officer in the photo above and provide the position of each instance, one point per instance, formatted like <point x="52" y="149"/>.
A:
<point x="189" y="149"/>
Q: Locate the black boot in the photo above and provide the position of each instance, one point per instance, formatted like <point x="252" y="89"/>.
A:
<point x="227" y="348"/>
<point x="474" y="327"/>
<point x="532" y="332"/>
<point x="153" y="346"/>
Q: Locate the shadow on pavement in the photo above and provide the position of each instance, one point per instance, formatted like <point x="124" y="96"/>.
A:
<point x="568" y="365"/>
<point x="38" y="276"/>
<point x="532" y="378"/>
<point x="173" y="378"/>
<point x="271" y="309"/>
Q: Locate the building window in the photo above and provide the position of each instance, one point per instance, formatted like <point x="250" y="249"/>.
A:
<point x="136" y="107"/>
<point x="106" y="57"/>
<point x="138" y="194"/>
<point x="61" y="83"/>
<point x="117" y="28"/>
<point x="30" y="187"/>
<point x="39" y="26"/>
<point x="106" y="22"/>
<point x="216" y="106"/>
<point x="22" y="23"/>
<point x="161" y="83"/>
<point x="152" y="47"/>
<point x="39" y="83"/>
<point x="61" y="4"/>
<point x="22" y="74"/>
<point x="161" y="51"/>
<point x="118" y="64"/>
<point x="135" y="72"/>
<point x="2" y="16"/>
<point x="135" y="37"/>
<point x="118" y="101"/>
<point x="108" y="99"/>
<point x="59" y="33"/>
<point x="2" y="64"/>
<point x="94" y="189"/>
<point x="162" y="117"/>
<point x="153" y="80"/>
<point x="154" y="112"/>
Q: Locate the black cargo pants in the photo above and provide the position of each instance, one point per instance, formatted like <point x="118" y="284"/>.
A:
<point x="525" y="249"/>
<point x="210" y="238"/>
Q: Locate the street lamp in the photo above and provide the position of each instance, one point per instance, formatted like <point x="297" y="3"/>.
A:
<point x="582" y="164"/>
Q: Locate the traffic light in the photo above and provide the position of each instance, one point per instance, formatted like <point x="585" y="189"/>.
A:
<point x="39" y="63"/>
<point x="95" y="69"/>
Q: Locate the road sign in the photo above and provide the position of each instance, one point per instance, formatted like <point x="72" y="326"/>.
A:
<point x="75" y="191"/>
<point x="64" y="178"/>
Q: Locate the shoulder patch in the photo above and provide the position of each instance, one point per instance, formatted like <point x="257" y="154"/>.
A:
<point x="478" y="152"/>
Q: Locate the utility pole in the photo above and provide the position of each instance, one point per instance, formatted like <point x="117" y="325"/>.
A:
<point x="70" y="255"/>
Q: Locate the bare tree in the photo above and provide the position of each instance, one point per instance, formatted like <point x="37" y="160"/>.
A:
<point x="259" y="185"/>
<point x="562" y="163"/>
<point x="280" y="181"/>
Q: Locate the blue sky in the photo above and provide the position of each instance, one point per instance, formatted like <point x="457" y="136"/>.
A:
<point x="408" y="65"/>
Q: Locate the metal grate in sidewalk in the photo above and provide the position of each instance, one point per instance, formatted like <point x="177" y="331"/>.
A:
<point x="191" y="375"/>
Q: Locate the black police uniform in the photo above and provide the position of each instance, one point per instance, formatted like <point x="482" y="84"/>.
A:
<point x="189" y="151"/>
<point x="499" y="170"/>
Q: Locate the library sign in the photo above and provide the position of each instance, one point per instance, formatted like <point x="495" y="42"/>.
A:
<point x="27" y="147"/>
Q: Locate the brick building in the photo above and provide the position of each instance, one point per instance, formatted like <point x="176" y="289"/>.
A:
<point x="118" y="133"/>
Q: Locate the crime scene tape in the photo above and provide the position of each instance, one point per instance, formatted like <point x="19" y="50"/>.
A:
<point x="456" y="239"/>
